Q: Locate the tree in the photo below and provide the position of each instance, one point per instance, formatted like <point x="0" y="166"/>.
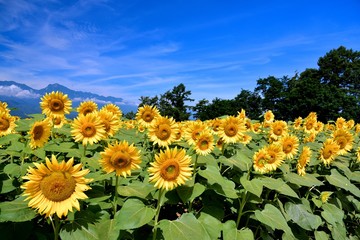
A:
<point x="250" y="102"/>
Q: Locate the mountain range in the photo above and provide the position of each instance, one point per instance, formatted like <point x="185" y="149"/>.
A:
<point x="24" y="100"/>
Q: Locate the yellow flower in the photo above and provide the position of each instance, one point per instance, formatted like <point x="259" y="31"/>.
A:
<point x="232" y="129"/>
<point x="146" y="115"/>
<point x="121" y="158"/>
<point x="193" y="130"/>
<point x="39" y="133"/>
<point x="358" y="154"/>
<point x="55" y="104"/>
<point x="204" y="143"/>
<point x="7" y="123"/>
<point x="297" y="123"/>
<point x="310" y="122"/>
<point x="163" y="131"/>
<point x="86" y="107"/>
<point x="260" y="160"/>
<point x="275" y="156"/>
<point x="340" y="123"/>
<point x="290" y="145"/>
<point x="4" y="108"/>
<point x="113" y="109"/>
<point x="58" y="121"/>
<point x="215" y="125"/>
<point x="324" y="196"/>
<point x="329" y="151"/>
<point x="345" y="140"/>
<point x="269" y="116"/>
<point x="303" y="161"/>
<point x="55" y="188"/>
<point x="278" y="129"/>
<point x="170" y="169"/>
<point x="88" y="129"/>
<point x="111" y="122"/>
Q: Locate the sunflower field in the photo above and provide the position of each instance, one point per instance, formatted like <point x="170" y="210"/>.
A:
<point x="101" y="176"/>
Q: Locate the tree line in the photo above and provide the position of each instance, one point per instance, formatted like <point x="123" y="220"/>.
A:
<point x="332" y="90"/>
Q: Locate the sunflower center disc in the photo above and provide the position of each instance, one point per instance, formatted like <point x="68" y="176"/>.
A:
<point x="230" y="130"/>
<point x="288" y="148"/>
<point x="147" y="116"/>
<point x="56" y="105"/>
<point x="204" y="145"/>
<point x="4" y="124"/>
<point x="120" y="159"/>
<point x="58" y="186"/>
<point x="164" y="132"/>
<point x="88" y="130"/>
<point x="38" y="132"/>
<point x="170" y="171"/>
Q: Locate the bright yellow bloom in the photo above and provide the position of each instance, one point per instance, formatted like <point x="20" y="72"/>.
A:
<point x="340" y="123"/>
<point x="269" y="116"/>
<point x="325" y="196"/>
<point x="193" y="130"/>
<point x="88" y="129"/>
<point x="86" y="107"/>
<point x="57" y="120"/>
<point x="275" y="156"/>
<point x="290" y="145"/>
<point x="232" y="129"/>
<point x="55" y="104"/>
<point x="163" y="131"/>
<point x="121" y="158"/>
<point x="7" y="123"/>
<point x="111" y="122"/>
<point x="304" y="160"/>
<point x="329" y="151"/>
<point x="170" y="169"/>
<point x="358" y="154"/>
<point x="298" y="123"/>
<point x="204" y="143"/>
<point x="39" y="133"/>
<point x="4" y="107"/>
<point x="55" y="188"/>
<point x="345" y="140"/>
<point x="278" y="129"/>
<point x="146" y="115"/>
<point x="113" y="109"/>
<point x="215" y="125"/>
<point x="260" y="160"/>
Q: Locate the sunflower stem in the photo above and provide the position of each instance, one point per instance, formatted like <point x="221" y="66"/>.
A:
<point x="241" y="207"/>
<point x="56" y="226"/>
<point x="194" y="176"/>
<point x="84" y="153"/>
<point x="116" y="193"/>
<point x="158" y="207"/>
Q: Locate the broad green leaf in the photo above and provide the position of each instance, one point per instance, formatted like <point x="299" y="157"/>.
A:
<point x="107" y="229"/>
<point x="332" y="214"/>
<point x="136" y="189"/>
<point x="321" y="235"/>
<point x="278" y="185"/>
<point x="62" y="147"/>
<point x="9" y="138"/>
<point x="12" y="169"/>
<point x="134" y="214"/>
<point x="232" y="233"/>
<point x="220" y="184"/>
<point x="187" y="227"/>
<point x="16" y="146"/>
<point x="272" y="217"/>
<point x="7" y="185"/>
<point x="242" y="160"/>
<point x="16" y="211"/>
<point x="299" y="214"/>
<point x="212" y="225"/>
<point x="338" y="231"/>
<point x="187" y="193"/>
<point x="254" y="186"/>
<point x="308" y="180"/>
<point x="338" y="180"/>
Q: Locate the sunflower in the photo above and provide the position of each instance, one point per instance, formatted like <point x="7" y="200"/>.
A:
<point x="204" y="143"/>
<point x="260" y="160"/>
<point x="278" y="129"/>
<point x="4" y="107"/>
<point x="357" y="128"/>
<point x="309" y="124"/>
<point x="121" y="158"/>
<point x="340" y="123"/>
<point x="40" y="133"/>
<point x="170" y="169"/>
<point x="88" y="128"/>
<point x="55" y="188"/>
<point x="325" y="196"/>
<point x="269" y="116"/>
<point x="163" y="131"/>
<point x="232" y="129"/>
<point x="329" y="151"/>
<point x="297" y="123"/>
<point x="146" y="114"/>
<point x="256" y="127"/>
<point x="275" y="156"/>
<point x="303" y="161"/>
<point x="345" y="140"/>
<point x="86" y="107"/>
<point x="358" y="154"/>
<point x="310" y="138"/>
<point x="193" y="130"/>
<point x="111" y="122"/>
<point x="350" y="124"/>
<point x="113" y="109"/>
<point x="57" y="121"/>
<point x="245" y="139"/>
<point x="219" y="144"/>
<point x="55" y="104"/>
<point x="7" y="123"/>
<point x="290" y="145"/>
<point x="242" y="114"/>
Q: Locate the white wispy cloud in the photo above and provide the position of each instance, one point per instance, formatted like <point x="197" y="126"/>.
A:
<point x="15" y="91"/>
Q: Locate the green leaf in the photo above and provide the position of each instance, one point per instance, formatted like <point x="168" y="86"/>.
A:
<point x="7" y="185"/>
<point x="220" y="184"/>
<point x="278" y="185"/>
<point x="187" y="227"/>
<point x="242" y="160"/>
<point x="134" y="214"/>
<point x="136" y="189"/>
<point x="321" y="235"/>
<point x="187" y="193"/>
<point x="332" y="214"/>
<point x="299" y="214"/>
<point x="272" y="217"/>
<point x="12" y="169"/>
<point x="309" y="180"/>
<point x="254" y="186"/>
<point x="212" y="225"/>
<point x="338" y="180"/>
<point x="16" y="211"/>
<point x="232" y="233"/>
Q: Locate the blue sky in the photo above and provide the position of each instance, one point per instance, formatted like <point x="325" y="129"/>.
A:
<point x="130" y="48"/>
